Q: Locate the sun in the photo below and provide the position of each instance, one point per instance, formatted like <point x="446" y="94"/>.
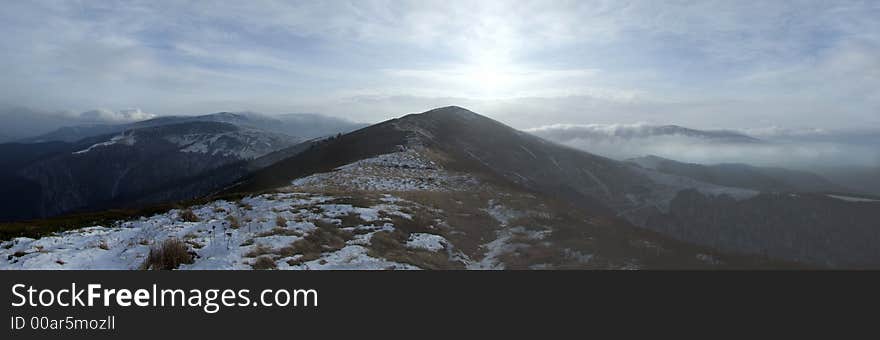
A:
<point x="490" y="79"/>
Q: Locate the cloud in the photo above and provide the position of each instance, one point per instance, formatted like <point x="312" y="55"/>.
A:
<point x="104" y="115"/>
<point x="20" y="122"/>
<point x="797" y="148"/>
<point x="718" y="64"/>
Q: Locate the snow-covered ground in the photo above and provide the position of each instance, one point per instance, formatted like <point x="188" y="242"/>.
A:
<point x="501" y="244"/>
<point x="400" y="171"/>
<point x="266" y="226"/>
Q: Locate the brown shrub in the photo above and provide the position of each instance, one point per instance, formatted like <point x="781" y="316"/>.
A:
<point x="169" y="255"/>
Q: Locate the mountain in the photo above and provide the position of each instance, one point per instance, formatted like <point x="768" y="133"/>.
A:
<point x="730" y="219"/>
<point x="765" y="179"/>
<point x="149" y="164"/>
<point x="451" y="189"/>
<point x="75" y="133"/>
<point x="305" y="126"/>
<point x="445" y="189"/>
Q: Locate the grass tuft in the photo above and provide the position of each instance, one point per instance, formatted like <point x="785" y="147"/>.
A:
<point x="169" y="255"/>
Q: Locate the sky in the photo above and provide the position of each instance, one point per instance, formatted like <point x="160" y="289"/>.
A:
<point x="703" y="64"/>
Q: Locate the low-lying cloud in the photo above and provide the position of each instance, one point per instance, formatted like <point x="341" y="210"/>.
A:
<point x="20" y="122"/>
<point x="104" y="115"/>
<point x="804" y="149"/>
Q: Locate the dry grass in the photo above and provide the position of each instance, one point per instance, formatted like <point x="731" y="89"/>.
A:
<point x="327" y="237"/>
<point x="419" y="223"/>
<point x="391" y="246"/>
<point x="169" y="255"/>
<point x="280" y="221"/>
<point x="258" y="251"/>
<point x="351" y="220"/>
<point x="187" y="215"/>
<point x="234" y="223"/>
<point x="280" y="232"/>
<point x="264" y="263"/>
<point x="360" y="199"/>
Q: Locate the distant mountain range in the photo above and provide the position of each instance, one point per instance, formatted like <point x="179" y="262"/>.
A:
<point x="302" y="125"/>
<point x="162" y="159"/>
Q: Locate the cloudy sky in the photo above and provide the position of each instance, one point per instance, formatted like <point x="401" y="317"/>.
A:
<point x="704" y="64"/>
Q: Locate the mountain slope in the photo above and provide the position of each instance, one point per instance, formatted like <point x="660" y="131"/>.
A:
<point x="475" y="144"/>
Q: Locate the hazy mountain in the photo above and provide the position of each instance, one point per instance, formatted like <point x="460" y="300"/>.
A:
<point x="75" y="133"/>
<point x="20" y="123"/>
<point x="297" y="125"/>
<point x="143" y="164"/>
<point x="767" y="179"/>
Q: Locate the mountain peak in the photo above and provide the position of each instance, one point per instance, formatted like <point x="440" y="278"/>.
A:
<point x="456" y="111"/>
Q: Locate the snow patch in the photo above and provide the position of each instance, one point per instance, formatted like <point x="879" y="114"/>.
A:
<point x="399" y="171"/>
<point x="429" y="242"/>
<point x="123" y="139"/>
